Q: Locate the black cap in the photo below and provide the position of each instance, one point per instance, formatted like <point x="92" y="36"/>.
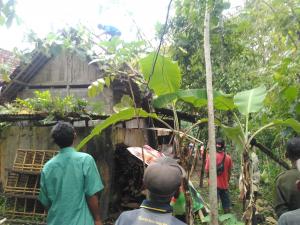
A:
<point x="163" y="177"/>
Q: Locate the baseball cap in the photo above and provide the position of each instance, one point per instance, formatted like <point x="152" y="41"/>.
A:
<point x="163" y="177"/>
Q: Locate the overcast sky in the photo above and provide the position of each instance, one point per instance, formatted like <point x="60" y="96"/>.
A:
<point x="43" y="16"/>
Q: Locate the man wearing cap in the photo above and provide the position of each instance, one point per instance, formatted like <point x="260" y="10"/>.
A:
<point x="223" y="176"/>
<point x="287" y="195"/>
<point x="162" y="179"/>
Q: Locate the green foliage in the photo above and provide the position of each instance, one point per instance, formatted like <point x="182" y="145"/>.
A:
<point x="259" y="45"/>
<point x="120" y="52"/>
<point x="226" y="49"/>
<point x="125" y="103"/>
<point x="41" y="102"/>
<point x="96" y="87"/>
<point x="229" y="219"/>
<point x="166" y="77"/>
<point x="164" y="100"/>
<point x="223" y="102"/>
<point x="225" y="219"/>
<point x="290" y="123"/>
<point x="250" y="101"/>
<point x="196" y="97"/>
<point x="123" y="115"/>
<point x="8" y="109"/>
<point x="4" y="72"/>
<point x="276" y="41"/>
<point x="235" y="134"/>
<point x="44" y="102"/>
<point x="291" y="93"/>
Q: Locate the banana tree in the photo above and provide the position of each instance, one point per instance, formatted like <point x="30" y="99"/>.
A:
<point x="168" y="93"/>
<point x="247" y="102"/>
<point x="164" y="79"/>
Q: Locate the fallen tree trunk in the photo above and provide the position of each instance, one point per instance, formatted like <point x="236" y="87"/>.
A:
<point x="269" y="153"/>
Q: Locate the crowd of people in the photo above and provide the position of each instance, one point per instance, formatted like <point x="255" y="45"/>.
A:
<point x="70" y="184"/>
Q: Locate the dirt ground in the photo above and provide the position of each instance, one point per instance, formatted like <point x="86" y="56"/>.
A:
<point x="204" y="191"/>
<point x="264" y="206"/>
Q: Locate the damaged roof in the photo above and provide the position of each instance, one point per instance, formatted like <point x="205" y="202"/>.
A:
<point x="22" y="74"/>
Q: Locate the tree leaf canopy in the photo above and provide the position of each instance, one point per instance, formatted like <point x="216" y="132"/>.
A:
<point x="235" y="134"/>
<point x="251" y="100"/>
<point x="166" y="77"/>
<point x="289" y="122"/>
<point x="123" y="115"/>
<point x="196" y="97"/>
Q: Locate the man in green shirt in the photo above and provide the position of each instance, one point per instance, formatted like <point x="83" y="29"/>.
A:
<point x="70" y="182"/>
<point x="287" y="196"/>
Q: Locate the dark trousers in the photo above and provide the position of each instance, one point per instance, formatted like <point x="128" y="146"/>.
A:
<point x="223" y="195"/>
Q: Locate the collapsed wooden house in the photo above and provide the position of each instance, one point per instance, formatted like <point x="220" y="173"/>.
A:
<point x="68" y="74"/>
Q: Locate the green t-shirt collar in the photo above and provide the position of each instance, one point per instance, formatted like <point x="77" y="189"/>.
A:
<point x="66" y="149"/>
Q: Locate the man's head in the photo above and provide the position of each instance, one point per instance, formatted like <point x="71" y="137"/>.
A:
<point x="293" y="149"/>
<point x="63" y="134"/>
<point x="163" y="178"/>
<point x="220" y="144"/>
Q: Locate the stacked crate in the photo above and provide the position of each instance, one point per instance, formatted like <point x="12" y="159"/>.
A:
<point x="23" y="183"/>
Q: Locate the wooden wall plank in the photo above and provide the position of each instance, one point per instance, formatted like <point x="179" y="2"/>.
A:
<point x="67" y="68"/>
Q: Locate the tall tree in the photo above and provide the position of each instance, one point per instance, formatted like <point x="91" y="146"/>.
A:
<point x="211" y="122"/>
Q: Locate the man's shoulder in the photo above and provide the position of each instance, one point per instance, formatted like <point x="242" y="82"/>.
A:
<point x="83" y="158"/>
<point x="83" y="155"/>
<point x="80" y="156"/>
<point x="280" y="177"/>
<point x="288" y="174"/>
<point x="142" y="215"/>
<point x="50" y="163"/>
<point x="128" y="216"/>
<point x="291" y="217"/>
<point x="130" y="212"/>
